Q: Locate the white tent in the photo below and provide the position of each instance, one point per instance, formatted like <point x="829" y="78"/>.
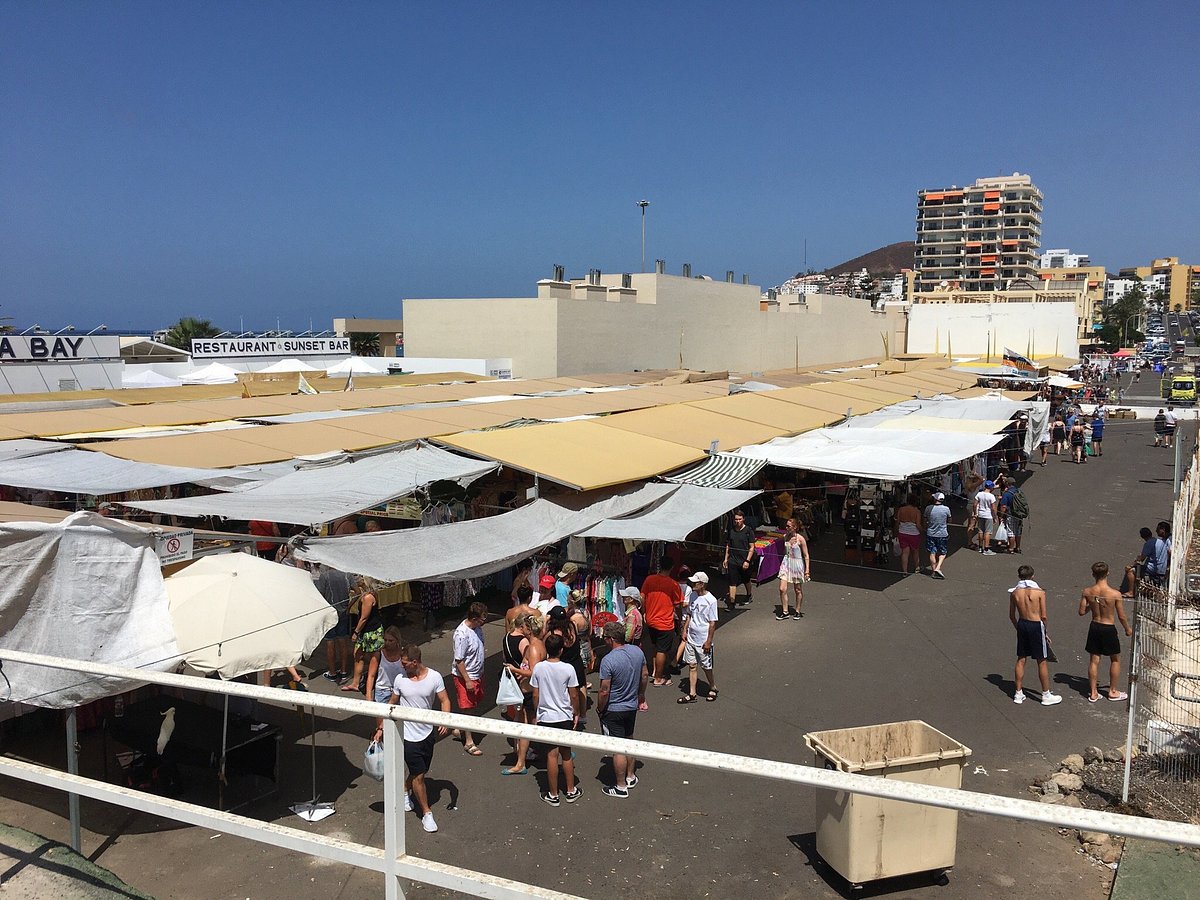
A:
<point x="86" y="472"/>
<point x="291" y="364"/>
<point x="988" y="411"/>
<point x="361" y="365"/>
<point x="214" y="373"/>
<point x="477" y="546"/>
<point x="86" y="588"/>
<point x="321" y="492"/>
<point x="145" y="377"/>
<point x="875" y="453"/>
<point x="674" y="518"/>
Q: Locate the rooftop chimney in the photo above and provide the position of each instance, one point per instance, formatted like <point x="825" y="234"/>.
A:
<point x="729" y="276"/>
<point x="687" y="270"/>
<point x="660" y="267"/>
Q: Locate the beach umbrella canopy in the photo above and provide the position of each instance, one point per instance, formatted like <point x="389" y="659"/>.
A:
<point x="235" y="613"/>
<point x="359" y="365"/>
<point x="290" y="364"/>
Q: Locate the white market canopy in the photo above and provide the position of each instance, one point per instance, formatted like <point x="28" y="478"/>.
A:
<point x="145" y="377"/>
<point x="873" y="453"/>
<point x="361" y="365"/>
<point x="674" y="518"/>
<point x="1063" y="381"/>
<point x="86" y="588"/>
<point x="291" y="364"/>
<point x="985" y="415"/>
<point x="84" y="472"/>
<point x="214" y="373"/>
<point x="322" y="492"/>
<point x="477" y="546"/>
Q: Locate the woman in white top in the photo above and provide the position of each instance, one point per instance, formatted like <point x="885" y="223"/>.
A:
<point x="793" y="570"/>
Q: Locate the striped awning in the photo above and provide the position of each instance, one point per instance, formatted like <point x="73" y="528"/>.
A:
<point x="721" y="470"/>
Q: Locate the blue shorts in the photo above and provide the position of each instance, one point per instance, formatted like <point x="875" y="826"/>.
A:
<point x="936" y="545"/>
<point x="341" y="628"/>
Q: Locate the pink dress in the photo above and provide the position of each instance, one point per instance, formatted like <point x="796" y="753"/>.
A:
<point x="791" y="570"/>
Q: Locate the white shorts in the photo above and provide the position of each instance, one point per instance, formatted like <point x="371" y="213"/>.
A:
<point x="693" y="654"/>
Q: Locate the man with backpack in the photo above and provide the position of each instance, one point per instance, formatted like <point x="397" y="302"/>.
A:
<point x="1014" y="508"/>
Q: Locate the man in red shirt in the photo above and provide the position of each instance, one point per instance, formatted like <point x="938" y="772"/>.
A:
<point x="661" y="596"/>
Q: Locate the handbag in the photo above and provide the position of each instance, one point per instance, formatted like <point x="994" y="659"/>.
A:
<point x="509" y="692"/>
<point x="373" y="761"/>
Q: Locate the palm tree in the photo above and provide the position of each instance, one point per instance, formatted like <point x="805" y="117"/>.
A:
<point x="364" y="344"/>
<point x="181" y="333"/>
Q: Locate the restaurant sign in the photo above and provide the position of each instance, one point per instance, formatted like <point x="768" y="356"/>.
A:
<point x="218" y="348"/>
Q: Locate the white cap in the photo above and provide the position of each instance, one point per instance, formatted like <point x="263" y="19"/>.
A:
<point x="939" y="496"/>
<point x="699" y="577"/>
<point x="630" y="592"/>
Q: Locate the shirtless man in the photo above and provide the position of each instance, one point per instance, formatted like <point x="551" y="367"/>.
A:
<point x="1027" y="612"/>
<point x="522" y="597"/>
<point x="908" y="533"/>
<point x="1103" y="602"/>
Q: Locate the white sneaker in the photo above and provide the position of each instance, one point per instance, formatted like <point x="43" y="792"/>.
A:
<point x="1019" y="697"/>
<point x="427" y="823"/>
<point x="408" y="807"/>
<point x="989" y="552"/>
<point x="1049" y="699"/>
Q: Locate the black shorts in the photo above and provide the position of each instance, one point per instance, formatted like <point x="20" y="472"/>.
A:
<point x="527" y="703"/>
<point x="661" y="641"/>
<point x="1102" y="640"/>
<point x="418" y="755"/>
<point x="564" y="749"/>
<point x="1031" y="640"/>
<point x="739" y="575"/>
<point x="618" y="724"/>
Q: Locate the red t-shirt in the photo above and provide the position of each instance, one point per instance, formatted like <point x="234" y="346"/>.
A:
<point x="263" y="529"/>
<point x="660" y="595"/>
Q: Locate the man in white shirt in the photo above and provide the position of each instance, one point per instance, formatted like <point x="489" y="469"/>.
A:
<point x="985" y="513"/>
<point x="468" y="670"/>
<point x="417" y="687"/>
<point x="699" y="626"/>
<point x="1172" y="422"/>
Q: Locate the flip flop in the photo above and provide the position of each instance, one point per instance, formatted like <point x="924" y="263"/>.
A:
<point x="524" y="771"/>
<point x="1121" y="695"/>
<point x="688" y="698"/>
<point x="472" y="751"/>
<point x="1093" y="699"/>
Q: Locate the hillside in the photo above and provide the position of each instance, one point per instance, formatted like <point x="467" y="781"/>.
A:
<point x="889" y="259"/>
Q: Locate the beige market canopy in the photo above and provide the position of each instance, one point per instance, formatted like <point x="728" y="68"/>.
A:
<point x="694" y="427"/>
<point x="861" y="390"/>
<point x="583" y="454"/>
<point x="764" y="409"/>
<point x="832" y="406"/>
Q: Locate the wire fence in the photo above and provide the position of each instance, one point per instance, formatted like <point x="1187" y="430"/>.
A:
<point x="1163" y="776"/>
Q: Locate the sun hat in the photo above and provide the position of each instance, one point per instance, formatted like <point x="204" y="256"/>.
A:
<point x="699" y="577"/>
<point x="939" y="496"/>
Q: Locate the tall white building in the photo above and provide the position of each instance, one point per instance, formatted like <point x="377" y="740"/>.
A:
<point x="1063" y="259"/>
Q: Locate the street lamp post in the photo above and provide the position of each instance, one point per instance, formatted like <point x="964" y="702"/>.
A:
<point x="643" y="204"/>
<point x="33" y="328"/>
<point x="98" y="328"/>
<point x="70" y="328"/>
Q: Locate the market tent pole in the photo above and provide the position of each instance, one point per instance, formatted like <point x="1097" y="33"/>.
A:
<point x="73" y="768"/>
<point x="313" y="810"/>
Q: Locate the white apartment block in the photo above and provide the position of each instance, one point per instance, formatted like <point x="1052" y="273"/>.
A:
<point x="1063" y="259"/>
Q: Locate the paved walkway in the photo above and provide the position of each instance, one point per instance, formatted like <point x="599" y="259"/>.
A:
<point x="872" y="648"/>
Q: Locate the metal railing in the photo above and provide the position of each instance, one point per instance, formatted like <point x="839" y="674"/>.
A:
<point x="395" y="863"/>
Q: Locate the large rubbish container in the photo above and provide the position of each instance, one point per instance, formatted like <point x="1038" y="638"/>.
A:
<point x="867" y="838"/>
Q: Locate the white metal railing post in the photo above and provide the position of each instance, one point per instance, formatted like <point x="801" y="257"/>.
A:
<point x="394" y="820"/>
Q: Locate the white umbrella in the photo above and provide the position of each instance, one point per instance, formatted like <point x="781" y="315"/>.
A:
<point x="235" y="613"/>
<point x="214" y="373"/>
<point x="147" y="377"/>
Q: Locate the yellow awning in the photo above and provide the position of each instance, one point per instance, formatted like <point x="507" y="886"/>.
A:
<point x="582" y="455"/>
<point x="832" y="406"/>
<point x="861" y="391"/>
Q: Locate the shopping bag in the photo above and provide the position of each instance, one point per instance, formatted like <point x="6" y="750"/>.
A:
<point x="373" y="761"/>
<point x="1001" y="534"/>
<point x="509" y="691"/>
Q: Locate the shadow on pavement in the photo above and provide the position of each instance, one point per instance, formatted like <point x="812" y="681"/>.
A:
<point x="807" y="844"/>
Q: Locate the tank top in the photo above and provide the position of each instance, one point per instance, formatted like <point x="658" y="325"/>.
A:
<point x="388" y="672"/>
<point x="512" y="649"/>
<point x="374" y="620"/>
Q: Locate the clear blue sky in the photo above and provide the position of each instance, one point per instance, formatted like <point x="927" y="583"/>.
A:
<point x="309" y="160"/>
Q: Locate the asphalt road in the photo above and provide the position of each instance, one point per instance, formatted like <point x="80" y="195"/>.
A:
<point x="872" y="648"/>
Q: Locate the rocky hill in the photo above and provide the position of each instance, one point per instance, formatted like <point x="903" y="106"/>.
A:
<point x="886" y="260"/>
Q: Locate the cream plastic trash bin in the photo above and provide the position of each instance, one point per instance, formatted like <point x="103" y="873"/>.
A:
<point x="867" y="838"/>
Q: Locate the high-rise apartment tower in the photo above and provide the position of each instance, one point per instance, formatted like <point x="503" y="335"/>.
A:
<point x="979" y="238"/>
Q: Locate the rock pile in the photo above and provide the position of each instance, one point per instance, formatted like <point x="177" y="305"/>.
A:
<point x="1064" y="786"/>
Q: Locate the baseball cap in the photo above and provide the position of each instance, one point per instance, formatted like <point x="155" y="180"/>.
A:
<point x="568" y="570"/>
<point x="631" y="592"/>
<point x="939" y="496"/>
<point x="546" y="581"/>
<point x="989" y="484"/>
<point x="700" y="577"/>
